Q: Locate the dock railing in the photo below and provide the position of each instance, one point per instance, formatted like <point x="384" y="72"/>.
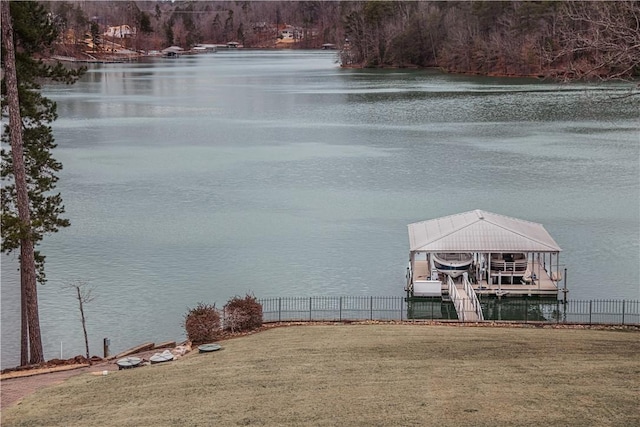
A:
<point x="472" y="295"/>
<point x="457" y="300"/>
<point x="389" y="308"/>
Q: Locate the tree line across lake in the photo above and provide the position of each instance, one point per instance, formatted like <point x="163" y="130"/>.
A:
<point x="565" y="40"/>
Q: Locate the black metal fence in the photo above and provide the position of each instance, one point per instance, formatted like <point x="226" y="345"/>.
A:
<point x="357" y="308"/>
<point x="333" y="308"/>
<point x="622" y="312"/>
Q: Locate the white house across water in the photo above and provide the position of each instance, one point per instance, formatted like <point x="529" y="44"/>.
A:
<point x="481" y="253"/>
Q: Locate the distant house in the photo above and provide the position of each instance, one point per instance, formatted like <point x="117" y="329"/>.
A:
<point x="120" y="32"/>
<point x="260" y="26"/>
<point x="289" y="32"/>
<point x="233" y="45"/>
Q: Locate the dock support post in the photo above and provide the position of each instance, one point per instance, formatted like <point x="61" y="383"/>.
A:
<point x="105" y="347"/>
<point x="565" y="286"/>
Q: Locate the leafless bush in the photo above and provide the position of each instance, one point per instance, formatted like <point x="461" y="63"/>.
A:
<point x="242" y="314"/>
<point x="202" y="323"/>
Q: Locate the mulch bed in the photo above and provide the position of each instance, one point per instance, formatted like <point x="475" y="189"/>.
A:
<point x="54" y="363"/>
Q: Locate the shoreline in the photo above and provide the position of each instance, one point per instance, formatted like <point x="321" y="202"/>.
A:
<point x="114" y="58"/>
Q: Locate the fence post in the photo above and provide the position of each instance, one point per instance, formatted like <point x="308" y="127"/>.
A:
<point x="309" y="309"/>
<point x="526" y="310"/>
<point x="280" y="309"/>
<point x="623" y="312"/>
<point x="557" y="311"/>
<point x="590" y="308"/>
<point x="371" y="306"/>
<point x="340" y="309"/>
<point x="401" y="311"/>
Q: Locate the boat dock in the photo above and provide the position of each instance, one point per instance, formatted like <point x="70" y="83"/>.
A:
<point x="479" y="253"/>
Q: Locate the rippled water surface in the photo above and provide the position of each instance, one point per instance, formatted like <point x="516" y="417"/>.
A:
<point x="278" y="173"/>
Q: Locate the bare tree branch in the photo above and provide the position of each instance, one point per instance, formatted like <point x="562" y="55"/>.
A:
<point x="84" y="295"/>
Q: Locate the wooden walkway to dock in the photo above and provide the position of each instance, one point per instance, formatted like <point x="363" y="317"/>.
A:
<point x="469" y="311"/>
<point x="465" y="300"/>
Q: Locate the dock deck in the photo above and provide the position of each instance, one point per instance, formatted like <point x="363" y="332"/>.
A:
<point x="542" y="286"/>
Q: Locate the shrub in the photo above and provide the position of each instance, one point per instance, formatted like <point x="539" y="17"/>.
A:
<point x="202" y="323"/>
<point x="242" y="314"/>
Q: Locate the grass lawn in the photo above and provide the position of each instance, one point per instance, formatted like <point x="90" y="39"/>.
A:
<point x="366" y="375"/>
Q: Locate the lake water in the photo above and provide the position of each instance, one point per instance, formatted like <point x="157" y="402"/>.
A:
<point x="280" y="174"/>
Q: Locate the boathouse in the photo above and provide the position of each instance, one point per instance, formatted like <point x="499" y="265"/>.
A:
<point x="172" y="51"/>
<point x="481" y="253"/>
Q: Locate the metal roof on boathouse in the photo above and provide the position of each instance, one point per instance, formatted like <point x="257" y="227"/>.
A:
<point x="479" y="231"/>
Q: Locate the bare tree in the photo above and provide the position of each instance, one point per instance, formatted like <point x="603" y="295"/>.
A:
<point x="84" y="295"/>
<point x="599" y="39"/>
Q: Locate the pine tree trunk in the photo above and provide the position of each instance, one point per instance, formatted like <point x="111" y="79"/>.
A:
<point x="27" y="257"/>
<point x="28" y="269"/>
<point x="24" y="322"/>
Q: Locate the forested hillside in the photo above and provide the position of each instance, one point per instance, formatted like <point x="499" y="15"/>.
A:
<point x="565" y="40"/>
<point x="541" y="38"/>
